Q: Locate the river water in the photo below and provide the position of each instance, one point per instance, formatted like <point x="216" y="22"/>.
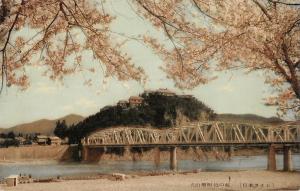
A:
<point x="45" y="170"/>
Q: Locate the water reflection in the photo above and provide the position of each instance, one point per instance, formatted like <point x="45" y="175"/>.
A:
<point x="52" y="170"/>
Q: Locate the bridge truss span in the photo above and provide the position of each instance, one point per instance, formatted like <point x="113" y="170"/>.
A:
<point x="210" y="133"/>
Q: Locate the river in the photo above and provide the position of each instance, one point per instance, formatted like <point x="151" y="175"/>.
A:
<point x="46" y="170"/>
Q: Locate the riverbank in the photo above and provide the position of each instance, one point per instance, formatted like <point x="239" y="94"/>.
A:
<point x="238" y="180"/>
<point x="36" y="153"/>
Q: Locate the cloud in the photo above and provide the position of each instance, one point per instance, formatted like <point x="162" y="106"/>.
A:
<point x="126" y="85"/>
<point x="105" y="84"/>
<point x="45" y="88"/>
<point x="227" y="88"/>
<point x="67" y="108"/>
<point x="86" y="103"/>
<point x="79" y="105"/>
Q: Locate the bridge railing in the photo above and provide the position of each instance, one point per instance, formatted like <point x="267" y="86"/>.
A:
<point x="200" y="133"/>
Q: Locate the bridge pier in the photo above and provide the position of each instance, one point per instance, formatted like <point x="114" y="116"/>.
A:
<point x="126" y="151"/>
<point x="157" y="156"/>
<point x="85" y="153"/>
<point x="271" y="158"/>
<point x="173" y="159"/>
<point x="229" y="150"/>
<point x="287" y="158"/>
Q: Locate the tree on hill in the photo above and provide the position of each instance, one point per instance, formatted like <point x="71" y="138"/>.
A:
<point x="61" y="129"/>
<point x="9" y="139"/>
<point x="11" y="135"/>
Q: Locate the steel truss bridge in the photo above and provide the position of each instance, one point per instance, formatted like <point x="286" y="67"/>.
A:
<point x="203" y="133"/>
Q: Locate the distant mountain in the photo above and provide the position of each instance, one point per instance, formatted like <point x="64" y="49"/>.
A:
<point x="43" y="126"/>
<point x="248" y="118"/>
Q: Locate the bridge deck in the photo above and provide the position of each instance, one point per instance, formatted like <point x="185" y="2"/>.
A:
<point x="204" y="133"/>
<point x="195" y="144"/>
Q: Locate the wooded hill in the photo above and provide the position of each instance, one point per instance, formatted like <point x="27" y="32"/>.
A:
<point x="156" y="110"/>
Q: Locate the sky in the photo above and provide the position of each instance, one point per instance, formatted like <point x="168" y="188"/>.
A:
<point x="232" y="92"/>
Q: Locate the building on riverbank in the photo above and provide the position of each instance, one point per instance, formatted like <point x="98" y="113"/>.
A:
<point x="21" y="140"/>
<point x="53" y="140"/>
<point x="12" y="180"/>
<point x="42" y="139"/>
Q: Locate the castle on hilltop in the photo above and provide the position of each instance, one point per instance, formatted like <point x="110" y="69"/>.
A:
<point x="134" y="101"/>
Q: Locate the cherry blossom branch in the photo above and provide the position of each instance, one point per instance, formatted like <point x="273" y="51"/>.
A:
<point x="284" y="3"/>
<point x="201" y="11"/>
<point x="3" y="50"/>
<point x="293" y="79"/>
<point x="297" y="64"/>
<point x="263" y="9"/>
<point x="4" y="12"/>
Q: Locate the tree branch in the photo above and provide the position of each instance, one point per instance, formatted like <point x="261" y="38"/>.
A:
<point x="4" y="11"/>
<point x="263" y="9"/>
<point x="204" y="13"/>
<point x="297" y="64"/>
<point x="159" y="17"/>
<point x="293" y="79"/>
<point x="3" y="50"/>
<point x="284" y="3"/>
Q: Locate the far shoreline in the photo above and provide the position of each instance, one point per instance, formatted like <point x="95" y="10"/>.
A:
<point x="66" y="153"/>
